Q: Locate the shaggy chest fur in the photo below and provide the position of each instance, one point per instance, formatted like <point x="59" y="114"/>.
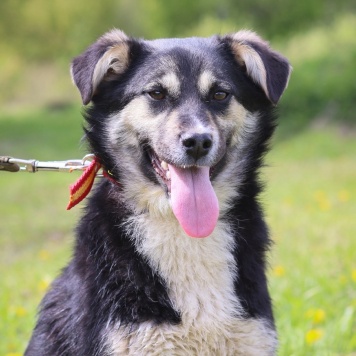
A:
<point x="199" y="273"/>
<point x="200" y="276"/>
<point x="240" y="337"/>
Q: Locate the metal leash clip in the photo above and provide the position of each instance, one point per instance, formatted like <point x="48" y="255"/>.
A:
<point x="9" y="164"/>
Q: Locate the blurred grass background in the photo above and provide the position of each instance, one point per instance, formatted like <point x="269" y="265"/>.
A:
<point x="310" y="198"/>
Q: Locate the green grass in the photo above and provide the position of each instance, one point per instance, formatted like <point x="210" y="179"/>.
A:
<point x="322" y="83"/>
<point x="311" y="209"/>
<point x="35" y="228"/>
<point x="310" y="204"/>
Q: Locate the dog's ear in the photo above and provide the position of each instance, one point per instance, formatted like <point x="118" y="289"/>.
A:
<point x="267" y="68"/>
<point x="106" y="59"/>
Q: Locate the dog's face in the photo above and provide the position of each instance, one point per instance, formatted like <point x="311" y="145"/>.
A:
<point x="169" y="115"/>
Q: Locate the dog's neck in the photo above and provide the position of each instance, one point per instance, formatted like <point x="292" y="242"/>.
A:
<point x="198" y="272"/>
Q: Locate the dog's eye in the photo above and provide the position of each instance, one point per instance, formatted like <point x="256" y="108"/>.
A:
<point x="220" y="95"/>
<point x="157" y="94"/>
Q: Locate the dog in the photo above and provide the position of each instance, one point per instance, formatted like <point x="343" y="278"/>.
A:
<point x="170" y="254"/>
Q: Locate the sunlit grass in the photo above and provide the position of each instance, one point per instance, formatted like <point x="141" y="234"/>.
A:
<point x="311" y="207"/>
<point x="35" y="229"/>
<point x="310" y="204"/>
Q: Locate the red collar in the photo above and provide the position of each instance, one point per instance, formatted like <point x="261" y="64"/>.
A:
<point x="109" y="175"/>
<point x="81" y="188"/>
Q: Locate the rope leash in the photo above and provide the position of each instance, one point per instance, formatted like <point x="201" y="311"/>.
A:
<point x="79" y="190"/>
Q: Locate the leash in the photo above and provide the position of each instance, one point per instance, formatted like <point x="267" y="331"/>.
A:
<point x="89" y="165"/>
<point x="10" y="164"/>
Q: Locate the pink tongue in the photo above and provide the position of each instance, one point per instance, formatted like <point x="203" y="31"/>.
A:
<point x="194" y="201"/>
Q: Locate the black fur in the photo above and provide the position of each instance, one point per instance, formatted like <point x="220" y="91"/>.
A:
<point x="107" y="280"/>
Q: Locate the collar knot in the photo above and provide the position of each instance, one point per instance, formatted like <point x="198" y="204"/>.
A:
<point x="82" y="187"/>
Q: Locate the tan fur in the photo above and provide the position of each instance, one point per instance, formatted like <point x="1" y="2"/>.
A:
<point x="114" y="62"/>
<point x="171" y="82"/>
<point x="122" y="128"/>
<point x="247" y="35"/>
<point x="249" y="337"/>
<point x="235" y="120"/>
<point x="115" y="36"/>
<point x="150" y="196"/>
<point x="247" y="56"/>
<point x="136" y="117"/>
<point x="205" y="81"/>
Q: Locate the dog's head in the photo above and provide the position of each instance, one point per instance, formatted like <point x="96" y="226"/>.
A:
<point x="169" y="116"/>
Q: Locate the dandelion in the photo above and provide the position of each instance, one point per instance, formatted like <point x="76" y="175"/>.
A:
<point x="353" y="275"/>
<point x="43" y="255"/>
<point x="20" y="311"/>
<point x="313" y="335"/>
<point x="322" y="200"/>
<point x="319" y="195"/>
<point x="343" y="196"/>
<point x="319" y="316"/>
<point x="13" y="354"/>
<point x="316" y="315"/>
<point x="279" y="271"/>
<point x="325" y="205"/>
<point x="44" y="283"/>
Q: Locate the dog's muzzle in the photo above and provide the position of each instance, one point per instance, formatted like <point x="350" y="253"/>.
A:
<point x="197" y="145"/>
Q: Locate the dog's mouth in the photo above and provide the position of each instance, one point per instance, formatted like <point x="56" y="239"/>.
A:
<point x="192" y="195"/>
<point x="161" y="168"/>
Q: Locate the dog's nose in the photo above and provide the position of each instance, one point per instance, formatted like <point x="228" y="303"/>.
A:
<point x="197" y="145"/>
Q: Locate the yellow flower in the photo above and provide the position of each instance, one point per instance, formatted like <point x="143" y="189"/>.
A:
<point x="319" y="195"/>
<point x="20" y="311"/>
<point x="343" y="196"/>
<point x="279" y="271"/>
<point x="13" y="354"/>
<point x="316" y="315"/>
<point x="44" y="283"/>
<point x="353" y="275"/>
<point x="313" y="335"/>
<point x="324" y="204"/>
<point x="319" y="316"/>
<point x="43" y="255"/>
<point x="322" y="200"/>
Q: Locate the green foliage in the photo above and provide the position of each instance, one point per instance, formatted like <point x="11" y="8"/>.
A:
<point x="278" y="19"/>
<point x="41" y="37"/>
<point x="40" y="29"/>
<point x="323" y="83"/>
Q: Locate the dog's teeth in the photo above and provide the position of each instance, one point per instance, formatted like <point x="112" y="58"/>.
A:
<point x="168" y="175"/>
<point x="164" y="165"/>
